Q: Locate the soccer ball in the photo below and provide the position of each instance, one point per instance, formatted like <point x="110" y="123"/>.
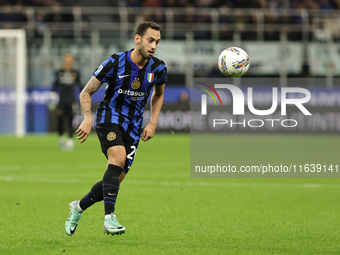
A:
<point x="233" y="62"/>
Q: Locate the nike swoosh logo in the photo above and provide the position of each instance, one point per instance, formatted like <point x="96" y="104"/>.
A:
<point x="122" y="76"/>
<point x="111" y="194"/>
<point x="73" y="230"/>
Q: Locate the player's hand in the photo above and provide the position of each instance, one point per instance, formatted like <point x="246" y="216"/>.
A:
<point x="148" y="132"/>
<point x="84" y="129"/>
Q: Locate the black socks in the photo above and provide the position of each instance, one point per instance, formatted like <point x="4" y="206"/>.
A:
<point x="95" y="195"/>
<point x="106" y="189"/>
<point x="111" y="187"/>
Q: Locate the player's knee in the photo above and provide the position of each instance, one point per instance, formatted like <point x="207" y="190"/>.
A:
<point x="117" y="156"/>
<point x="118" y="160"/>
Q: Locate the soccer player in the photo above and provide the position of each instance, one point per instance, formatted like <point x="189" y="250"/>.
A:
<point x="130" y="76"/>
<point x="66" y="80"/>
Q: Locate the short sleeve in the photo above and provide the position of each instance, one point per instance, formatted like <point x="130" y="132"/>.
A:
<point x="105" y="70"/>
<point x="163" y="77"/>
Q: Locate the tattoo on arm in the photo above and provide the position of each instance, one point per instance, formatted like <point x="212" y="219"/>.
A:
<point x="93" y="85"/>
<point x="85" y="96"/>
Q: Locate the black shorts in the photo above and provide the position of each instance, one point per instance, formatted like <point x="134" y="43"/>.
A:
<point x="113" y="134"/>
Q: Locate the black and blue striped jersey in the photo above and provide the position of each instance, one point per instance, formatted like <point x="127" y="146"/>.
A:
<point x="127" y="91"/>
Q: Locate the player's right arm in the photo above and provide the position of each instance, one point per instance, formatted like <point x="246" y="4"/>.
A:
<point x="85" y="103"/>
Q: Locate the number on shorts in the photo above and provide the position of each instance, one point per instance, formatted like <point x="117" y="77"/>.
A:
<point x="132" y="153"/>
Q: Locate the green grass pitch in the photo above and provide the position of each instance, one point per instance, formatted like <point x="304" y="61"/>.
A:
<point x="163" y="209"/>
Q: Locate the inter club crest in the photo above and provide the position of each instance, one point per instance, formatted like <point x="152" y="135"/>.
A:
<point x="135" y="84"/>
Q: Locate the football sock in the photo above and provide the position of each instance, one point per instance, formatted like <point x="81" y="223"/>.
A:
<point x="95" y="195"/>
<point x="111" y="187"/>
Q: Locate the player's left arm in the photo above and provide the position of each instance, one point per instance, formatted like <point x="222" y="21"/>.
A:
<point x="156" y="106"/>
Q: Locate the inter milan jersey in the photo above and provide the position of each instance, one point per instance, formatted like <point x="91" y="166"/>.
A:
<point x="128" y="90"/>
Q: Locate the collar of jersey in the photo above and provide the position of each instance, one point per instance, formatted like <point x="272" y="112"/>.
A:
<point x="134" y="66"/>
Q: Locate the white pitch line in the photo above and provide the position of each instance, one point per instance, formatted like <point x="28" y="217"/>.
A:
<point x="9" y="168"/>
<point x="177" y="183"/>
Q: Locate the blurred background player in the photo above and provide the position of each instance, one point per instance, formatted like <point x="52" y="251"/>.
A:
<point x="63" y="99"/>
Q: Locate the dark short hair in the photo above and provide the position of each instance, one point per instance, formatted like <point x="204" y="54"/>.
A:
<point x="142" y="27"/>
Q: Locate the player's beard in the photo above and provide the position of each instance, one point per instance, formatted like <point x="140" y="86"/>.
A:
<point x="143" y="52"/>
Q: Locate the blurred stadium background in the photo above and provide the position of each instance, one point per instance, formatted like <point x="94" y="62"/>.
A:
<point x="283" y="39"/>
